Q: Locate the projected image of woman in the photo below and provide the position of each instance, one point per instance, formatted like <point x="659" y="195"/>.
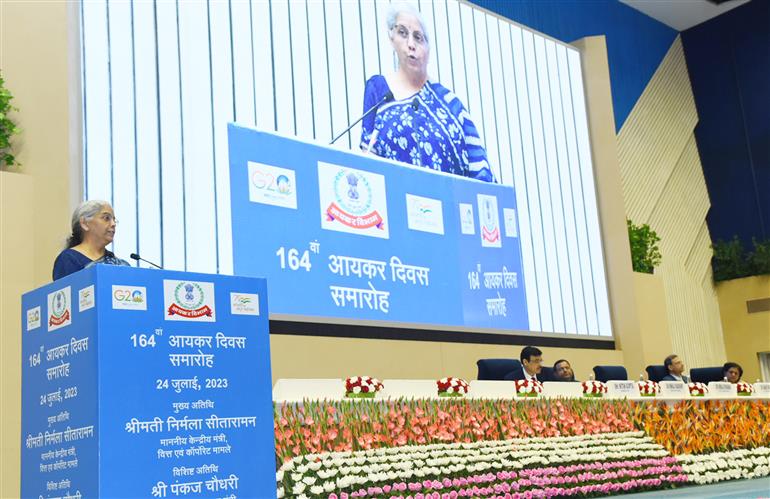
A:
<point x="424" y="123"/>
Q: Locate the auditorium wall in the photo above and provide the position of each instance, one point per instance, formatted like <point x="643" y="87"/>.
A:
<point x="663" y="186"/>
<point x="746" y="334"/>
<point x="38" y="58"/>
<point x="728" y="61"/>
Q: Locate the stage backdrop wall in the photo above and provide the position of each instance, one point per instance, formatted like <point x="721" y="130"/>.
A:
<point x="663" y="186"/>
<point x="162" y="80"/>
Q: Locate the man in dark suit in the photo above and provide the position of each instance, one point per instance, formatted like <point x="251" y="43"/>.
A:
<point x="562" y="371"/>
<point x="674" y="369"/>
<point x="531" y="364"/>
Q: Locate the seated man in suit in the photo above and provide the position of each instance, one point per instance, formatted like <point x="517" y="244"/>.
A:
<point x="562" y="371"/>
<point x="531" y="362"/>
<point x="674" y="369"/>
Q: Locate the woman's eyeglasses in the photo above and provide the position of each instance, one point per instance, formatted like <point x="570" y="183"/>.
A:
<point x="108" y="218"/>
<point x="418" y="36"/>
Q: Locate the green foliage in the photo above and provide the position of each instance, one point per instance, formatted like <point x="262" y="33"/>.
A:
<point x="729" y="260"/>
<point x="645" y="254"/>
<point x="7" y="127"/>
<point x="732" y="261"/>
<point x="759" y="259"/>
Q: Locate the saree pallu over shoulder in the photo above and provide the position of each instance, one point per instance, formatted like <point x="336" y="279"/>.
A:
<point x="431" y="129"/>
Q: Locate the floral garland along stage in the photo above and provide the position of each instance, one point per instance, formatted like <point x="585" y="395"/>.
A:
<point x="464" y="460"/>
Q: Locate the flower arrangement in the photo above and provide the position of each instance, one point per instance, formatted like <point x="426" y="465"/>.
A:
<point x="744" y="389"/>
<point x="731" y="465"/>
<point x="697" y="427"/>
<point x="581" y="464"/>
<point x="340" y="426"/>
<point x="593" y="388"/>
<point x="452" y="387"/>
<point x="528" y="388"/>
<point x="648" y="388"/>
<point x="362" y="387"/>
<point x="697" y="389"/>
<point x="429" y="448"/>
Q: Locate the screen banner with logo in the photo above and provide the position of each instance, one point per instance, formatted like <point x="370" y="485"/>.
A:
<point x="146" y="383"/>
<point x="345" y="235"/>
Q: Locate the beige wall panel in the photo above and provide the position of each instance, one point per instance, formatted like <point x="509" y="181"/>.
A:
<point x="698" y="262"/>
<point x="319" y="357"/>
<point x="607" y="174"/>
<point x="745" y="334"/>
<point x="655" y="133"/>
<point x="653" y="319"/>
<point x="39" y="66"/>
<point x="17" y="212"/>
<point x="663" y="186"/>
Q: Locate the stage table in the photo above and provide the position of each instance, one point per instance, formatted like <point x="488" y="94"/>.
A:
<point x="297" y="390"/>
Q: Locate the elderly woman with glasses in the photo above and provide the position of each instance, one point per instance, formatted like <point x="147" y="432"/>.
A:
<point x="93" y="228"/>
<point x="419" y="121"/>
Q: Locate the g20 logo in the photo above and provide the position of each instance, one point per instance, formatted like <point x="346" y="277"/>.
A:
<point x="280" y="184"/>
<point x="129" y="297"/>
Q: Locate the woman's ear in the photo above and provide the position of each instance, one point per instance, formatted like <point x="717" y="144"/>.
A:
<point x="83" y="224"/>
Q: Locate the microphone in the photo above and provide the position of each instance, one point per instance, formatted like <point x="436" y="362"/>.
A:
<point x="415" y="104"/>
<point x="386" y="98"/>
<point x="136" y="257"/>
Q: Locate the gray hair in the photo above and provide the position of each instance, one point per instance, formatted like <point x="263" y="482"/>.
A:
<point x="86" y="211"/>
<point x="397" y="8"/>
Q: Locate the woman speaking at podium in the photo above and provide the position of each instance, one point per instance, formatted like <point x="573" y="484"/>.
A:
<point x="418" y="121"/>
<point x="93" y="228"/>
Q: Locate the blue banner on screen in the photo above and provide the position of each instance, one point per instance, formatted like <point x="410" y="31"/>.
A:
<point x="146" y="383"/>
<point x="351" y="236"/>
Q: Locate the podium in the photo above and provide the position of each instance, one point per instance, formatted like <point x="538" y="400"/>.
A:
<point x="146" y="383"/>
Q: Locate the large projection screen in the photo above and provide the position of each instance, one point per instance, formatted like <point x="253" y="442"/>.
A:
<point x="161" y="81"/>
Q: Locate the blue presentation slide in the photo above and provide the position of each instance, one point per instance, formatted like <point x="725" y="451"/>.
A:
<point x="343" y="235"/>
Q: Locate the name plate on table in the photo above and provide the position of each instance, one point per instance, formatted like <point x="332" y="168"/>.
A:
<point x="674" y="389"/>
<point x="622" y="389"/>
<point x="721" y="388"/>
<point x="762" y="389"/>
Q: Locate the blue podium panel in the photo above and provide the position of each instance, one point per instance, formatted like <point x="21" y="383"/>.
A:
<point x="344" y="235"/>
<point x="146" y="383"/>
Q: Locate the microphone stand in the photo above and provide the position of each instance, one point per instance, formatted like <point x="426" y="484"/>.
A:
<point x="386" y="98"/>
<point x="136" y="257"/>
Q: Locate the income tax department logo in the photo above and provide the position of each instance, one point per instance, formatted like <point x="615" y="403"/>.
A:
<point x="489" y="220"/>
<point x="189" y="301"/>
<point x="59" y="308"/>
<point x="352" y="201"/>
